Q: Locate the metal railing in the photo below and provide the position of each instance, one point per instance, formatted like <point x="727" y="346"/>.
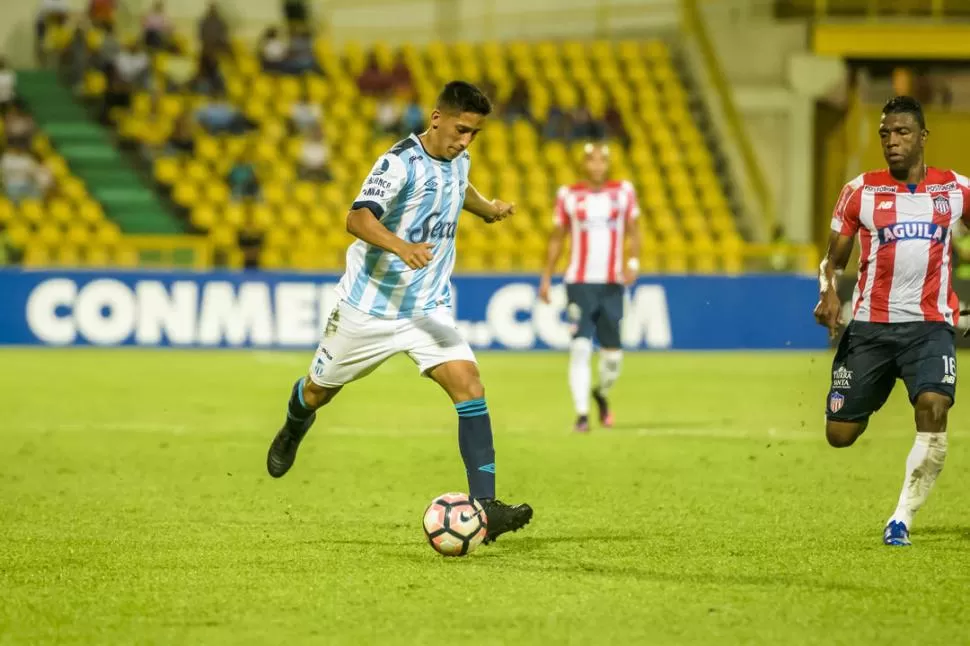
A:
<point x="875" y="9"/>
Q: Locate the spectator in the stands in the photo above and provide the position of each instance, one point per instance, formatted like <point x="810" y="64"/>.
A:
<point x="585" y="126"/>
<point x="50" y="13"/>
<point x="412" y="117"/>
<point x="213" y="31"/>
<point x="373" y="81"/>
<point x="400" y="77"/>
<point x="8" y="86"/>
<point x="182" y="139"/>
<point x="208" y="77"/>
<point x="132" y="65"/>
<point x="387" y="118"/>
<point x="517" y="105"/>
<point x="102" y="12"/>
<point x="300" y="57"/>
<point x="157" y="28"/>
<point x="305" y="114"/>
<point x="23" y="177"/>
<point x="219" y="116"/>
<point x="614" y="125"/>
<point x="314" y="157"/>
<point x="19" y="126"/>
<point x="108" y="48"/>
<point x="116" y="95"/>
<point x="242" y="179"/>
<point x="557" y="125"/>
<point x="272" y="50"/>
<point x="75" y="57"/>
<point x="296" y="13"/>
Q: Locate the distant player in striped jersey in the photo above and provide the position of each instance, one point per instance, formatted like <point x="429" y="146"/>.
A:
<point x="600" y="216"/>
<point x="904" y="308"/>
<point x="395" y="295"/>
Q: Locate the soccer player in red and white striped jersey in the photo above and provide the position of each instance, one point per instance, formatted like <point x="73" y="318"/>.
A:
<point x="601" y="217"/>
<point x="904" y="308"/>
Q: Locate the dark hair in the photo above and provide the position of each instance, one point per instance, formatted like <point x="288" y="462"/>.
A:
<point x="459" y="96"/>
<point x="906" y="105"/>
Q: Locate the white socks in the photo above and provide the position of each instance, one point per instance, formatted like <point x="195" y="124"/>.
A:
<point x="610" y="362"/>
<point x="924" y="463"/>
<point x="580" y="353"/>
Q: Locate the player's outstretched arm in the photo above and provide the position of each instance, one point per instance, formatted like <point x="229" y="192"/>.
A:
<point x="488" y="210"/>
<point x="829" y="309"/>
<point x="553" y="251"/>
<point x="363" y="224"/>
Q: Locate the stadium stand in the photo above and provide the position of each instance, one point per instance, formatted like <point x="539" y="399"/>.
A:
<point x="59" y="222"/>
<point x="659" y="145"/>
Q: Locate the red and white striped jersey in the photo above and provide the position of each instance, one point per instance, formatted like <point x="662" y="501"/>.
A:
<point x="597" y="221"/>
<point x="904" y="238"/>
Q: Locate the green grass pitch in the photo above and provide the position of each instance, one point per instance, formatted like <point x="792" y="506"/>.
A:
<point x="135" y="508"/>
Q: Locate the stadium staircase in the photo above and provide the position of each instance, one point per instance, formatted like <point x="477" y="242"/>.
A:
<point x="92" y="155"/>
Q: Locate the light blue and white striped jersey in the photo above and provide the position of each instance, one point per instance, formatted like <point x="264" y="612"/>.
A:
<point x="419" y="198"/>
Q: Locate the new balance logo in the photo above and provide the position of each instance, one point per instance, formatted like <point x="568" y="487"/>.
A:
<point x="885" y="205"/>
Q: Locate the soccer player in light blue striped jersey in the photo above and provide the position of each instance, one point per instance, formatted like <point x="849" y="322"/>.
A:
<point x="395" y="295"/>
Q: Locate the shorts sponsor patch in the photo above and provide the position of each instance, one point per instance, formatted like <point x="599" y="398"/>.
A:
<point x="842" y="378"/>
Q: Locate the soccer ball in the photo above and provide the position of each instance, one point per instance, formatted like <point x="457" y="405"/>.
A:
<point x="454" y="524"/>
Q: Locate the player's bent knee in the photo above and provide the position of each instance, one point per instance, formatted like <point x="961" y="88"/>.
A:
<point x="933" y="407"/>
<point x="843" y="434"/>
<point x="315" y="396"/>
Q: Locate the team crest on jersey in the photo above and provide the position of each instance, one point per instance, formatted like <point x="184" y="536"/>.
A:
<point x="384" y="167"/>
<point x="941" y="204"/>
<point x="836" y="402"/>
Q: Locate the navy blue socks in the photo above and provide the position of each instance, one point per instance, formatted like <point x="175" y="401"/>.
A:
<point x="477" y="450"/>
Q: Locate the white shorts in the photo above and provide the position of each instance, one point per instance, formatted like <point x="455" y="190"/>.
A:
<point x="354" y="344"/>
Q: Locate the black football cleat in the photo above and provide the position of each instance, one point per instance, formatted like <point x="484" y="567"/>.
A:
<point x="502" y="518"/>
<point x="603" y="405"/>
<point x="282" y="452"/>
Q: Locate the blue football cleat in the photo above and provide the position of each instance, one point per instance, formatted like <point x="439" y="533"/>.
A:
<point x="896" y="534"/>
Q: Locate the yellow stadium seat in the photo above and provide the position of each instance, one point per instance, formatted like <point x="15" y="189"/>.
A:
<point x="271" y="258"/>
<point x="216" y="192"/>
<point x="67" y="256"/>
<point x="108" y="234"/>
<point x="78" y="235"/>
<point x="36" y="255"/>
<point x="185" y="194"/>
<point x="18" y="235"/>
<point x="50" y="234"/>
<point x="94" y="83"/>
<point x="7" y="212"/>
<point x="261" y="218"/>
<point x="32" y="211"/>
<point x="233" y="216"/>
<point x="291" y="216"/>
<point x="126" y="256"/>
<point x="90" y="212"/>
<point x="202" y="217"/>
<point x="167" y="170"/>
<point x="96" y="256"/>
